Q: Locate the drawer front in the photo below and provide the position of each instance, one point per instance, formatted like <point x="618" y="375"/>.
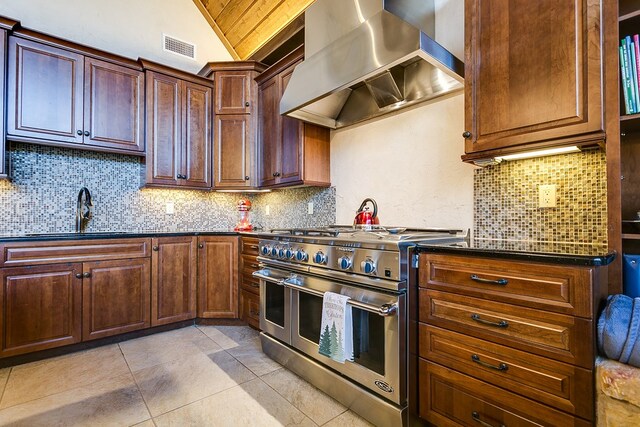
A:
<point x="250" y="308"/>
<point x="250" y="246"/>
<point x="34" y="253"/>
<point x="560" y="337"/>
<point x="557" y="384"/>
<point x="448" y="398"/>
<point x="250" y="284"/>
<point x="249" y="264"/>
<point x="555" y="288"/>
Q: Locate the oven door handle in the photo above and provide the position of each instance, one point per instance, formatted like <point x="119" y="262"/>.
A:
<point x="384" y="310"/>
<point x="259" y="274"/>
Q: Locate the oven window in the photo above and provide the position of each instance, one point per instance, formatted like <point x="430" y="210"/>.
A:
<point x="368" y="340"/>
<point x="274" y="303"/>
<point x="310" y="319"/>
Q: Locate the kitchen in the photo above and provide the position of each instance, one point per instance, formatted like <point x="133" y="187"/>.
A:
<point x="420" y="147"/>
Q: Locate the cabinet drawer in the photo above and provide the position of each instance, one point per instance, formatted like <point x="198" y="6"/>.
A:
<point x="556" y="288"/>
<point x="565" y="338"/>
<point x="249" y="264"/>
<point x="250" y="310"/>
<point x="557" y="384"/>
<point x="250" y="246"/>
<point x="448" y="398"/>
<point x="250" y="284"/>
<point x="34" y="253"/>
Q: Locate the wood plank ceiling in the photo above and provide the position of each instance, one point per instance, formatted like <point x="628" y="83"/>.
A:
<point x="246" y="25"/>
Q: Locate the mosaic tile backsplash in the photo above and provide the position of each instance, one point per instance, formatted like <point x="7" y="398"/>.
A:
<point x="42" y="196"/>
<point x="506" y="199"/>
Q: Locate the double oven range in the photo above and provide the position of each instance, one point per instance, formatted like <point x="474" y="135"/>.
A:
<point x="372" y="267"/>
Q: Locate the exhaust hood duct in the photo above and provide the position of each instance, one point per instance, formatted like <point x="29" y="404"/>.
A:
<point x="365" y="58"/>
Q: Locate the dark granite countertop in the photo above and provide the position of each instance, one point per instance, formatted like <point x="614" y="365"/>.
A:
<point x="111" y="235"/>
<point x="556" y="253"/>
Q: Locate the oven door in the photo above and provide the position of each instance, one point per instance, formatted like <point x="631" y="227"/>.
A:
<point x="275" y="304"/>
<point x="378" y="333"/>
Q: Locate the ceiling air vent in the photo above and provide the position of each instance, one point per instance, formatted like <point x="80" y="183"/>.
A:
<point x="172" y="44"/>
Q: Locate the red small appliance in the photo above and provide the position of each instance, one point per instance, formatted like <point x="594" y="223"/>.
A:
<point x="244" y="224"/>
<point x="366" y="217"/>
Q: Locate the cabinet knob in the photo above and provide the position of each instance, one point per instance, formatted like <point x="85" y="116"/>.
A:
<point x="79" y="132"/>
<point x="201" y="245"/>
<point x="155" y="248"/>
<point x="246" y="104"/>
<point x="86" y="275"/>
<point x="246" y="178"/>
<point x="182" y="176"/>
<point x="78" y="275"/>
<point x="87" y="133"/>
<point x="466" y="134"/>
<point x="277" y="174"/>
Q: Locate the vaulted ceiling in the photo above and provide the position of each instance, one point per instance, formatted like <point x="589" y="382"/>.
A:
<point x="244" y="26"/>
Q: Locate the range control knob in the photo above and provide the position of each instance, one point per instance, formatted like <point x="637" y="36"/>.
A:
<point x="344" y="262"/>
<point x="368" y="266"/>
<point x="274" y="251"/>
<point x="301" y="255"/>
<point x="289" y="254"/>
<point x="319" y="258"/>
<point x="265" y="250"/>
<point x="282" y="253"/>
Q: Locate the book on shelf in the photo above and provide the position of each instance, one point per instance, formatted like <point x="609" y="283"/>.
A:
<point x="627" y="81"/>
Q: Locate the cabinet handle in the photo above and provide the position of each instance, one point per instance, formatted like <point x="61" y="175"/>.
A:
<point x="501" y="367"/>
<point x="87" y="133"/>
<point x="501" y="282"/>
<point x="78" y="275"/>
<point x="201" y="245"/>
<point x="79" y="132"/>
<point x="254" y="285"/>
<point x="476" y="418"/>
<point x="254" y="313"/>
<point x="246" y="178"/>
<point x="246" y="104"/>
<point x="466" y="134"/>
<point x="500" y="324"/>
<point x="86" y="275"/>
<point x="155" y="248"/>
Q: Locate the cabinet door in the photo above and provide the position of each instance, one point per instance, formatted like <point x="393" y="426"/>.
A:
<point x="269" y="131"/>
<point x="196" y="139"/>
<point x="44" y="96"/>
<point x="250" y="308"/>
<point x="533" y="71"/>
<point x="114" y="102"/>
<point x="218" y="277"/>
<point x="233" y="92"/>
<point x="41" y="307"/>
<point x="163" y="126"/>
<point x="115" y="297"/>
<point x="173" y="279"/>
<point x="3" y="125"/>
<point x="292" y="138"/>
<point x="232" y="153"/>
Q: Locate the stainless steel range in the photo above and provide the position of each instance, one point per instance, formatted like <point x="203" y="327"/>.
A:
<point x="371" y="266"/>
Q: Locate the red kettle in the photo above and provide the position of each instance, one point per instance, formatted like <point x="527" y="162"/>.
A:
<point x="364" y="216"/>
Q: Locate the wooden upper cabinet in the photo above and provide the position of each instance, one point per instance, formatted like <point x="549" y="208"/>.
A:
<point x="57" y="96"/>
<point x="179" y="130"/>
<point x="173" y="279"/>
<point x="42" y="307"/>
<point x="5" y="25"/>
<point x="233" y="92"/>
<point x="532" y="75"/>
<point x="233" y="151"/>
<point x="291" y="152"/>
<point x="113" y="114"/>
<point x="218" y="277"/>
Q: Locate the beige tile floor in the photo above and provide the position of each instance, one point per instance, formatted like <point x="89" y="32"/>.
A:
<point x="194" y="376"/>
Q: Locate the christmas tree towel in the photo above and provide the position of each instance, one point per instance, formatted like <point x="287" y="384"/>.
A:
<point x="336" y="338"/>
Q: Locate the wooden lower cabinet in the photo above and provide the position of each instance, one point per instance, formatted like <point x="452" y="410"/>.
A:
<point x="218" y="277"/>
<point x="115" y="297"/>
<point x="250" y="308"/>
<point x="173" y="279"/>
<point x="41" y="307"/>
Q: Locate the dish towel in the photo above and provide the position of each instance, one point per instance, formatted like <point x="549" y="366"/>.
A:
<point x="619" y="329"/>
<point x="336" y="337"/>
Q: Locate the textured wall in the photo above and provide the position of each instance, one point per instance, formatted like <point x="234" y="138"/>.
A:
<point x="506" y="199"/>
<point x="42" y="197"/>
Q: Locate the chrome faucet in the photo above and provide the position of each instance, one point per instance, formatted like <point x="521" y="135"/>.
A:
<point x="83" y="210"/>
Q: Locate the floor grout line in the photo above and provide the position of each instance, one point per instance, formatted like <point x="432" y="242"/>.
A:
<point x="146" y="405"/>
<point x="6" y="383"/>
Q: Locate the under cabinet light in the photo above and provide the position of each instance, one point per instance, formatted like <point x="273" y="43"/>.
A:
<point x="539" y="153"/>
<point x="243" y="191"/>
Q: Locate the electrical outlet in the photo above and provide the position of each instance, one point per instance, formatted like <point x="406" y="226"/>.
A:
<point x="310" y="208"/>
<point x="169" y="208"/>
<point x="267" y="210"/>
<point x="547" y="196"/>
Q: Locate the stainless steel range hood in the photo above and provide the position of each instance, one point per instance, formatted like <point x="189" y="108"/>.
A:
<point x="365" y="58"/>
